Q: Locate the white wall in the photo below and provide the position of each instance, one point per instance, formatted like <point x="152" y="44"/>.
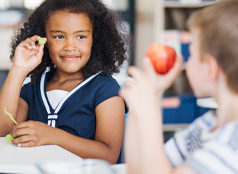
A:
<point x="148" y="20"/>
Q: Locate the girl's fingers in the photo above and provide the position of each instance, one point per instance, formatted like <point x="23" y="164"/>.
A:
<point x="30" y="43"/>
<point x="20" y="132"/>
<point x="29" y="143"/>
<point x="35" y="38"/>
<point x="42" y="41"/>
<point x="22" y="139"/>
<point x="22" y="128"/>
<point x="40" y="51"/>
<point x="26" y="44"/>
<point x="24" y="124"/>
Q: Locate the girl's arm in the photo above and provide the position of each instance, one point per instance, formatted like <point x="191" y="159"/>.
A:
<point x="9" y="99"/>
<point x="110" y="116"/>
<point x="144" y="135"/>
<point x="27" y="57"/>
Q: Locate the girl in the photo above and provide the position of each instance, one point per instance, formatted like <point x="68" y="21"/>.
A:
<point x="75" y="104"/>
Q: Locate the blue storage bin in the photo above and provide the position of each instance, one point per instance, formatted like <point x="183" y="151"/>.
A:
<point x="180" y="109"/>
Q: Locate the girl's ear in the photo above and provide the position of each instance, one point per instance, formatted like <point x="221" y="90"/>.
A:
<point x="213" y="68"/>
<point x="46" y="44"/>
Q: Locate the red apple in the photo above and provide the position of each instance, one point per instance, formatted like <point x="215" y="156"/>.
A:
<point x="162" y="57"/>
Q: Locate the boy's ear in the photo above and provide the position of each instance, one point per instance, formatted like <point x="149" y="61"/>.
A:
<point x="213" y="67"/>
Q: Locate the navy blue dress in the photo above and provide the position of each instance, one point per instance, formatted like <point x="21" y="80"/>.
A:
<point x="76" y="112"/>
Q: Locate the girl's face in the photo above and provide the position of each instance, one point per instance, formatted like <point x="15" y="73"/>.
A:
<point x="69" y="40"/>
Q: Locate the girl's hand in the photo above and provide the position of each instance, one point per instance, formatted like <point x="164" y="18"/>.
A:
<point x="32" y="133"/>
<point x="141" y="91"/>
<point x="28" y="55"/>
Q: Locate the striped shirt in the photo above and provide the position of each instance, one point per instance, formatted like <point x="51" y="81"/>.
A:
<point x="203" y="150"/>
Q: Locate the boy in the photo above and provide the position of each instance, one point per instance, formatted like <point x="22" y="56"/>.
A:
<point x="210" y="143"/>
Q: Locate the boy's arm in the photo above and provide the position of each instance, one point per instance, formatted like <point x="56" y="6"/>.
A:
<point x="147" y="155"/>
<point x="146" y="120"/>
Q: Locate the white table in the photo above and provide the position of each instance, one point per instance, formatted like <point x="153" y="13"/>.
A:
<point x="120" y="168"/>
<point x="23" y="160"/>
<point x="14" y="159"/>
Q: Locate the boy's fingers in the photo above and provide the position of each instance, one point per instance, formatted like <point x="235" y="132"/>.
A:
<point x="148" y="66"/>
<point x="129" y="82"/>
<point x="176" y="69"/>
<point x="135" y="73"/>
<point x="122" y="93"/>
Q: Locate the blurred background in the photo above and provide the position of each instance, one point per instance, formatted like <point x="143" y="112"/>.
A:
<point x="148" y="21"/>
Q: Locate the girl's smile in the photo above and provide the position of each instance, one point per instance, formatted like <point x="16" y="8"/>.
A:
<point x="70" y="57"/>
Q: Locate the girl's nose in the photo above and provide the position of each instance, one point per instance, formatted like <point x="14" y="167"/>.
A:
<point x="70" y="45"/>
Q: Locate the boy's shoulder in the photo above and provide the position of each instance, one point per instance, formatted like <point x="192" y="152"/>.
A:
<point x="219" y="146"/>
<point x="228" y="134"/>
<point x="206" y="121"/>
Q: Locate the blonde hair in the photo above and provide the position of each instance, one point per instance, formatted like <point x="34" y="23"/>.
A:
<point x="218" y="33"/>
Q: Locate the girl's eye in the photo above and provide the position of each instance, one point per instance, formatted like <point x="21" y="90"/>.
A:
<point x="81" y="37"/>
<point x="59" y="37"/>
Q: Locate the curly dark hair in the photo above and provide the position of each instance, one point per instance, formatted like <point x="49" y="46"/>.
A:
<point x="110" y="39"/>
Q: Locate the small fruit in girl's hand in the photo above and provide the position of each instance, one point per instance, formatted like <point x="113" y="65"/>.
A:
<point x="9" y="137"/>
<point x="162" y="57"/>
<point x="41" y="41"/>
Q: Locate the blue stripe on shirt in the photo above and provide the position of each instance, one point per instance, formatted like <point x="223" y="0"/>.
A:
<point x="179" y="150"/>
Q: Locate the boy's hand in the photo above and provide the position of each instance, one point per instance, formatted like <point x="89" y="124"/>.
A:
<point x="32" y="133"/>
<point x="142" y="89"/>
<point x="162" y="82"/>
<point x="28" y="55"/>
